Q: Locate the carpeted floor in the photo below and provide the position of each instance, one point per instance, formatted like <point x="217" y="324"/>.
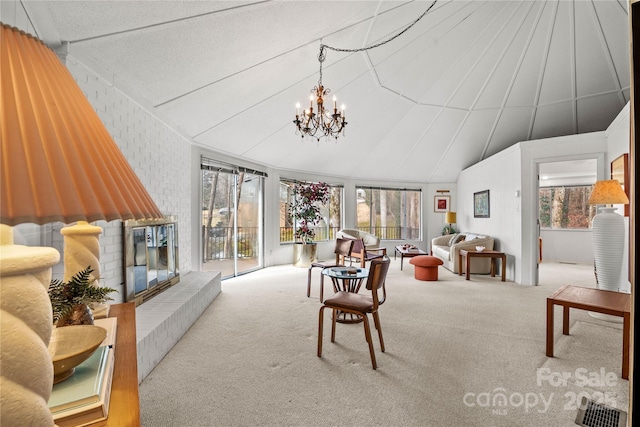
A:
<point x="458" y="353"/>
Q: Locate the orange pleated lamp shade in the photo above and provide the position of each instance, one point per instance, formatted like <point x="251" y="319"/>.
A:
<point x="607" y="192"/>
<point x="58" y="161"/>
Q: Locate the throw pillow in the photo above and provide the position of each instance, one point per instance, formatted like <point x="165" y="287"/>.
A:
<point x="461" y="238"/>
<point x="452" y="240"/>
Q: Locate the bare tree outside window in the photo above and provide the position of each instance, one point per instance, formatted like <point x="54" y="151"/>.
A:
<point x="566" y="207"/>
<point x="388" y="213"/>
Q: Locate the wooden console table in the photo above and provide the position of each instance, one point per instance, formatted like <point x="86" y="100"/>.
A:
<point x="406" y="253"/>
<point x="597" y="300"/>
<point x="124" y="406"/>
<point x="467" y="255"/>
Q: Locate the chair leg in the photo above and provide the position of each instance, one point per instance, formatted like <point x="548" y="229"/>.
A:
<point x="309" y="282"/>
<point x="367" y="334"/>
<point x="333" y="325"/>
<point x="321" y="287"/>
<point x="320" y="323"/>
<point x="376" y="320"/>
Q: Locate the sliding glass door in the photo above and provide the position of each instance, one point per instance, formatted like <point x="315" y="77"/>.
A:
<point x="231" y="220"/>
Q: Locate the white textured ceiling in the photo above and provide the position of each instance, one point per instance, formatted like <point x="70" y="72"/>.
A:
<point x="468" y="80"/>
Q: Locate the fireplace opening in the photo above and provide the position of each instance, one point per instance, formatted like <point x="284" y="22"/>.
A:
<point x="151" y="257"/>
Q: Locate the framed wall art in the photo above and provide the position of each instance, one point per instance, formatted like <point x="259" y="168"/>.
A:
<point x="620" y="172"/>
<point x="441" y="203"/>
<point x="481" y="204"/>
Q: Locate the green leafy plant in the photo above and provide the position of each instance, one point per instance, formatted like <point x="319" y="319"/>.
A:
<point x="65" y="296"/>
<point x="305" y="210"/>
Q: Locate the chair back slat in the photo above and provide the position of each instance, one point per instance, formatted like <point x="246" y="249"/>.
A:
<point x="342" y="249"/>
<point x="377" y="278"/>
<point x="358" y="247"/>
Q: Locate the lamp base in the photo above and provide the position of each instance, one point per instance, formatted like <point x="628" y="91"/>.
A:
<point x="26" y="324"/>
<point x="608" y="248"/>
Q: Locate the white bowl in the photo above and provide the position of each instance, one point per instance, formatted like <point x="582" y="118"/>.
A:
<point x="72" y="345"/>
<point x="479" y="248"/>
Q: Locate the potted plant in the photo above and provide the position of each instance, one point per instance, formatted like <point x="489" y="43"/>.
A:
<point x="305" y="212"/>
<point x="448" y="229"/>
<point x="71" y="301"/>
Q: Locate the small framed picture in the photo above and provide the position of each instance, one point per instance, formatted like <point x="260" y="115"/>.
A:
<point x="441" y="203"/>
<point x="620" y="172"/>
<point x="481" y="204"/>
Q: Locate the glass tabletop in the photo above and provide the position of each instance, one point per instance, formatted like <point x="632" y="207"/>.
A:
<point x="346" y="272"/>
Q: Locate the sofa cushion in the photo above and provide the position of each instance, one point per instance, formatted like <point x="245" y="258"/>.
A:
<point x="460" y="238"/>
<point x="441" y="251"/>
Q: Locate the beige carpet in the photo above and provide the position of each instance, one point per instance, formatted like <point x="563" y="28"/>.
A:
<point x="455" y="350"/>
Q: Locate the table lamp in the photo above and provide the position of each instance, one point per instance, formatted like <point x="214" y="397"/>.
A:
<point x="450" y="218"/>
<point x="58" y="163"/>
<point x="608" y="233"/>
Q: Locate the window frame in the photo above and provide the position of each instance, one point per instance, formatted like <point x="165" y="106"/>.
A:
<point x="396" y="232"/>
<point x="321" y="231"/>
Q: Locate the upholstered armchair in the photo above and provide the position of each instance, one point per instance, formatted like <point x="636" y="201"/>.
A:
<point x="365" y="245"/>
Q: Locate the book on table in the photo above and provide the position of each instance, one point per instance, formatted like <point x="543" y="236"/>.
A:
<point x="84" y="397"/>
<point x="111" y="325"/>
<point x="345" y="270"/>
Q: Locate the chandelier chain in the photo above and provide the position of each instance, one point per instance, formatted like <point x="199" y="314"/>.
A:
<point x="324" y="122"/>
<point x="323" y="54"/>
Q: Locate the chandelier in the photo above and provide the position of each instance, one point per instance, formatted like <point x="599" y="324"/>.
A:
<point x="324" y="122"/>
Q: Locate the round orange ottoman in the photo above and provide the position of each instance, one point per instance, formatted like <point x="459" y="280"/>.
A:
<point x="426" y="267"/>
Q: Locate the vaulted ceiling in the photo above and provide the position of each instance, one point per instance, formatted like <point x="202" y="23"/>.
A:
<point x="468" y="80"/>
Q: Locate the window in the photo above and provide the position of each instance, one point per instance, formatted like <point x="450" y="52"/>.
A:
<point x="232" y="213"/>
<point x="331" y="212"/>
<point x="389" y="213"/>
<point x="566" y="207"/>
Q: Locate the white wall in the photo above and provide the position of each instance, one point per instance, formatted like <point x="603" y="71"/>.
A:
<point x="500" y="174"/>
<point x="513" y="215"/>
<point x="571" y="147"/>
<point x="618" y="143"/>
<point x="570" y="246"/>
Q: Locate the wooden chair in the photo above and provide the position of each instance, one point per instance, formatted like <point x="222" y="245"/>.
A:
<point x="360" y="305"/>
<point x="363" y="254"/>
<point x="342" y="250"/>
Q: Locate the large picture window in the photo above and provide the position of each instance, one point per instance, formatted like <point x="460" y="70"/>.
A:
<point x="232" y="212"/>
<point x="566" y="207"/>
<point x="389" y="213"/>
<point x="331" y="213"/>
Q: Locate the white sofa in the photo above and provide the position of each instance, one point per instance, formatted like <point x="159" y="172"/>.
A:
<point x="447" y="248"/>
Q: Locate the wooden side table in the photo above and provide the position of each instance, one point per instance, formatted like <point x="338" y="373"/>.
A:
<point x="494" y="255"/>
<point x="597" y="300"/>
<point x="124" y="407"/>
